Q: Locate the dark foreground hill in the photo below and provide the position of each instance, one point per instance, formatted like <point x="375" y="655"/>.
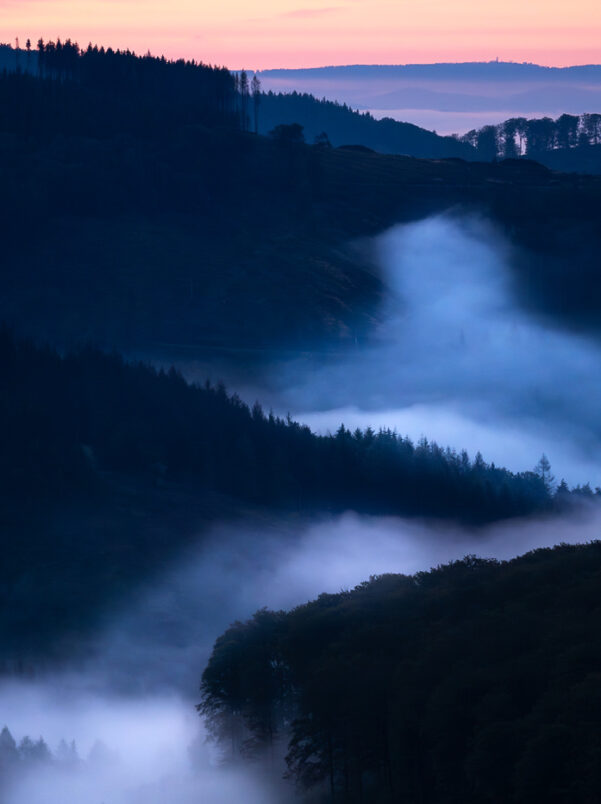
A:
<point x="132" y="222"/>
<point x="477" y="681"/>
<point x="107" y="469"/>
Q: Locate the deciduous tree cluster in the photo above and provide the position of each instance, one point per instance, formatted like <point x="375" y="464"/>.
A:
<point x="477" y="681"/>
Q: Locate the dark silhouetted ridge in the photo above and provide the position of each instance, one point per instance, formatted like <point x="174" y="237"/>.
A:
<point x="476" y="681"/>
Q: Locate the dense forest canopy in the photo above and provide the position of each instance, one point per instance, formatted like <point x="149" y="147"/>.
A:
<point x="69" y="419"/>
<point x="476" y="681"/>
<point x="137" y="211"/>
<point x="122" y="89"/>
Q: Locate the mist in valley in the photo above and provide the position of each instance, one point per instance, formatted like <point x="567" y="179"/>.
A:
<point x="129" y="706"/>
<point x="456" y="359"/>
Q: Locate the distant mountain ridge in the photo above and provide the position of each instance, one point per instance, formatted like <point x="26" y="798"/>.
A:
<point x="494" y="90"/>
<point x="452" y="70"/>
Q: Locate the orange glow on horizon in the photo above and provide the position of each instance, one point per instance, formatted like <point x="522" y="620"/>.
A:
<point x="306" y="33"/>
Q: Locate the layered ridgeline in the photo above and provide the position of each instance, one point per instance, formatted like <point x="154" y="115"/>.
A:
<point x="484" y="87"/>
<point x="220" y="96"/>
<point x="476" y="681"/>
<point x="547" y="105"/>
<point x="344" y="126"/>
<point x="567" y="143"/>
<point x="109" y="469"/>
<point x="70" y="421"/>
<point x="136" y="212"/>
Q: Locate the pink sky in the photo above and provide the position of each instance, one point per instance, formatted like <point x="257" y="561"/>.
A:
<point x="294" y="33"/>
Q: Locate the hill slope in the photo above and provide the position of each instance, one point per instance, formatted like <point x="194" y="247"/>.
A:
<point x="477" y="681"/>
<point x="109" y="469"/>
<point x="134" y="224"/>
<point x="345" y="126"/>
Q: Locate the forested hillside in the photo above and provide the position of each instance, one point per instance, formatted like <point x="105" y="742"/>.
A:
<point x="344" y="126"/>
<point x="70" y="419"/>
<point x="134" y="217"/>
<point x="108" y="468"/>
<point x="142" y="213"/>
<point x="476" y="681"/>
<point x="115" y="92"/>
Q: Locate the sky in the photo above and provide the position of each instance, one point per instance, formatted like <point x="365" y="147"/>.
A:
<point x="307" y="33"/>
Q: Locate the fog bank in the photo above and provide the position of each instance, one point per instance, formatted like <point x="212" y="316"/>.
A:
<point x="136" y="693"/>
<point x="459" y="360"/>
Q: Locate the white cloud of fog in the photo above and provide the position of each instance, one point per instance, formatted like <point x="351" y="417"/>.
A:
<point x="162" y="642"/>
<point x="137" y="690"/>
<point x="153" y="753"/>
<point x="157" y="781"/>
<point x="459" y="360"/>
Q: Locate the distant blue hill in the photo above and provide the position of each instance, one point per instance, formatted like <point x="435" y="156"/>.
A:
<point x="472" y="71"/>
<point x="494" y="91"/>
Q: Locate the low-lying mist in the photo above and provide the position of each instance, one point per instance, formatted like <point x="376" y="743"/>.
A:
<point x="136" y="692"/>
<point x="459" y="360"/>
<point x="151" y="751"/>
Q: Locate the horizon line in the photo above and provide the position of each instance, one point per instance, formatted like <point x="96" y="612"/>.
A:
<point x="433" y="64"/>
<point x="344" y="65"/>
